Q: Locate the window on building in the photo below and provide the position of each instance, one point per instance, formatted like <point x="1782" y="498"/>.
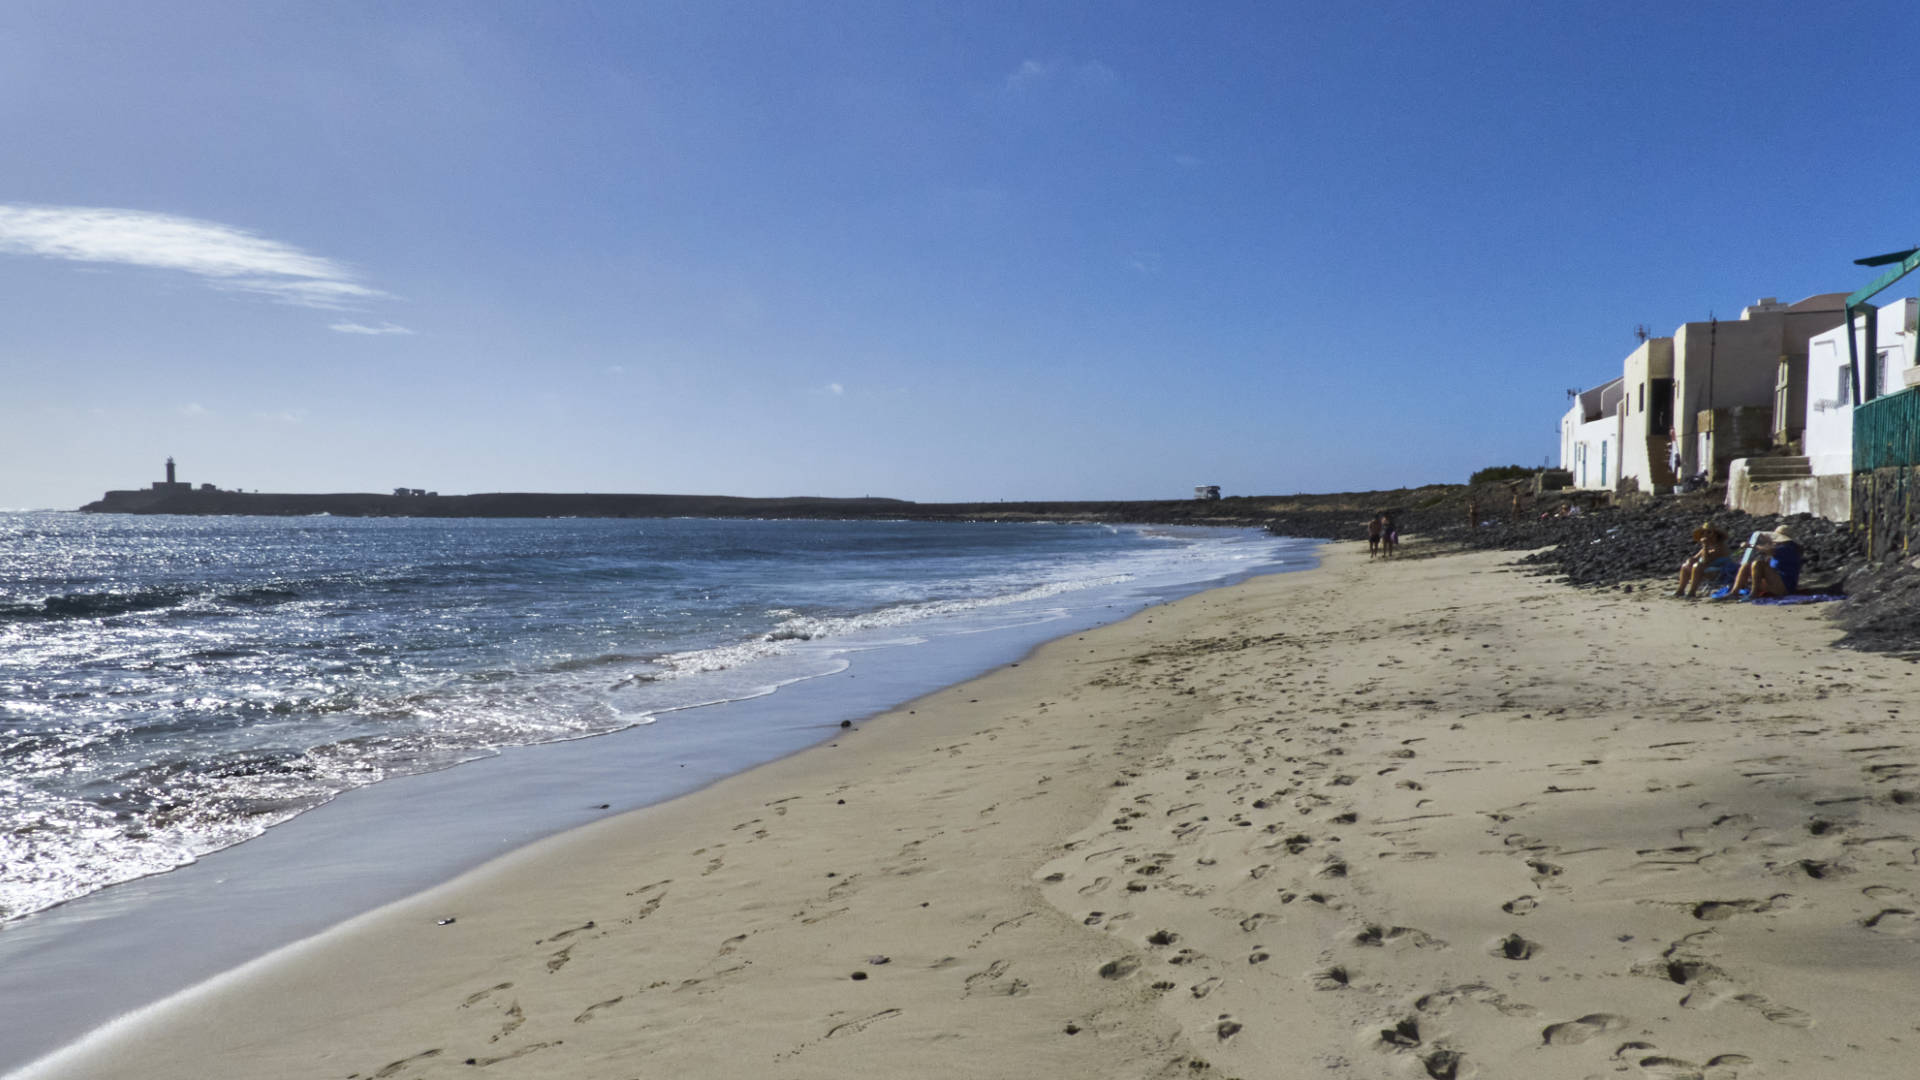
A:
<point x="1642" y="407"/>
<point x="1844" y="395"/>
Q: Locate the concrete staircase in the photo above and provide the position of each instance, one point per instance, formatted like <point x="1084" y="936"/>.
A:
<point x="1769" y="470"/>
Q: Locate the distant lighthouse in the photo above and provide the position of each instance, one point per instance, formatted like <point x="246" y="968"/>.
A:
<point x="172" y="482"/>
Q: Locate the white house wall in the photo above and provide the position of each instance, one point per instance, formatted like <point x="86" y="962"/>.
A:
<point x="1595" y="458"/>
<point x="1828" y="441"/>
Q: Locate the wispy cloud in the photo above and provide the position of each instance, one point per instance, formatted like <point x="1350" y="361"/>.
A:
<point x="836" y="389"/>
<point x="220" y="255"/>
<point x="193" y="408"/>
<point x="358" y="328"/>
<point x="1083" y="75"/>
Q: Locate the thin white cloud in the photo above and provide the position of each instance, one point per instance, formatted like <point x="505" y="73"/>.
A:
<point x="1028" y="73"/>
<point x="1083" y="75"/>
<point x="358" y="328"/>
<point x="836" y="389"/>
<point x="193" y="408"/>
<point x="220" y="255"/>
<point x="615" y="369"/>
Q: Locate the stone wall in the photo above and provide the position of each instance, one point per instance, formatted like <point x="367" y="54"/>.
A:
<point x="1886" y="506"/>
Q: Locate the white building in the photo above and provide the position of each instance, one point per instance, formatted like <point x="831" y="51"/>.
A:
<point x="1590" y="436"/>
<point x="1820" y="481"/>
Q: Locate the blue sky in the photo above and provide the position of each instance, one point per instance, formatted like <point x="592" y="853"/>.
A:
<point x="934" y="251"/>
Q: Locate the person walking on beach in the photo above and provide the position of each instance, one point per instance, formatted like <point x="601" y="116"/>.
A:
<point x="1373" y="535"/>
<point x="1389" y="535"/>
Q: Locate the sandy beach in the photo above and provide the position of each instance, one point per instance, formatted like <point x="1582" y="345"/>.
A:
<point x="1433" y="817"/>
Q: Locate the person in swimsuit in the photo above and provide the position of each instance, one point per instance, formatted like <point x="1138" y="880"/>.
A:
<point x="1712" y="564"/>
<point x="1373" y="535"/>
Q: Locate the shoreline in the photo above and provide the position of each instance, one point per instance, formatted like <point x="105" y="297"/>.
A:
<point x="154" y="936"/>
<point x="1427" y="816"/>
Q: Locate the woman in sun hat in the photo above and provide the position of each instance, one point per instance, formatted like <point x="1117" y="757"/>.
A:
<point x="1712" y="563"/>
<point x="1775" y="568"/>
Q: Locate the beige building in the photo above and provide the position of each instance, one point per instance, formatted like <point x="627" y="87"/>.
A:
<point x="1646" y="415"/>
<point x="1727" y="377"/>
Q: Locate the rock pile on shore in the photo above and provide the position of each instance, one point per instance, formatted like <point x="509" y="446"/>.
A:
<point x="1616" y="546"/>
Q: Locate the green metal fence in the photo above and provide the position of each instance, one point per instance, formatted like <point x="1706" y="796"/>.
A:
<point x="1886" y="432"/>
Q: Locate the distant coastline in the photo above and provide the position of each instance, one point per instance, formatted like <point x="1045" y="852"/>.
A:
<point x="184" y="500"/>
<point x="1326" y="516"/>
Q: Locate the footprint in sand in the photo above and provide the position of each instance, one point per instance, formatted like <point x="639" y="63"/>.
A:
<point x="586" y="1014"/>
<point x="515" y="1017"/>
<point x="393" y="1067"/>
<point x="1817" y="869"/>
<point x="1661" y="1067"/>
<point x="1333" y="978"/>
<point x="477" y="998"/>
<point x="1720" y="910"/>
<point x="854" y="1027"/>
<point x="1515" y="947"/>
<point x="1893" y="921"/>
<point x="1405" y="1034"/>
<point x="1575" y="1032"/>
<point x="1405" y="935"/>
<point x="1779" y="1014"/>
<point x="1520" y="905"/>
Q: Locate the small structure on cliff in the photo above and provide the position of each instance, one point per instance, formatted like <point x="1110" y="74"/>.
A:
<point x="170" y="484"/>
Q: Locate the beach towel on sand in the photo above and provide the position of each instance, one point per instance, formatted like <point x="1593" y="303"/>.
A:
<point x="1723" y="592"/>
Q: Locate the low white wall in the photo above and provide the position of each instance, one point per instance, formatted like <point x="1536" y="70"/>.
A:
<point x="1829" y="496"/>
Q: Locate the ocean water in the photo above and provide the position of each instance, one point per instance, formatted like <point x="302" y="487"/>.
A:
<point x="173" y="686"/>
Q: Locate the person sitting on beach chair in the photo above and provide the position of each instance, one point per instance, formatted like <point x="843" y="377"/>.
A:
<point x="1712" y="564"/>
<point x="1773" y="568"/>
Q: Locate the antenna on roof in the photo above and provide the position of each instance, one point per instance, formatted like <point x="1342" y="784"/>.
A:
<point x="1642" y="333"/>
<point x="1573" y="391"/>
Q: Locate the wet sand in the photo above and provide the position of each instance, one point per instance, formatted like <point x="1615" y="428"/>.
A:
<point x="1423" y="818"/>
